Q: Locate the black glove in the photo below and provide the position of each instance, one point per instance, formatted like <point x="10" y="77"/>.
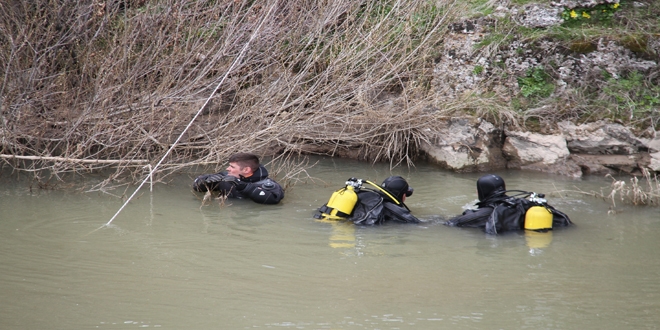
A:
<point x="240" y="185"/>
<point x="206" y="182"/>
<point x="212" y="178"/>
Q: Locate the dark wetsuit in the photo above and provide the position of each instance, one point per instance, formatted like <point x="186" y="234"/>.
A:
<point x="491" y="192"/>
<point x="498" y="212"/>
<point x="258" y="187"/>
<point x="372" y="208"/>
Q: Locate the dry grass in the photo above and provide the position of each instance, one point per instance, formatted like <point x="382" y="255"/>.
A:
<point x="112" y="85"/>
<point x="636" y="191"/>
<point x="120" y="81"/>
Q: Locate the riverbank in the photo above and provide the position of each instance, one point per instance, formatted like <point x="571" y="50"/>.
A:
<point x="114" y="85"/>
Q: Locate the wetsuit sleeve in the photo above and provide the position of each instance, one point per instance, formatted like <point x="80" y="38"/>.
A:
<point x="269" y="192"/>
<point x="559" y="219"/>
<point x="471" y="218"/>
<point x="399" y="213"/>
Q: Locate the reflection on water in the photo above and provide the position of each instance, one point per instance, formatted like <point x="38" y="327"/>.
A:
<point x="169" y="262"/>
<point x="343" y="234"/>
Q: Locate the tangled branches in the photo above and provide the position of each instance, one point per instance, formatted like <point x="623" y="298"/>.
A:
<point x="118" y="81"/>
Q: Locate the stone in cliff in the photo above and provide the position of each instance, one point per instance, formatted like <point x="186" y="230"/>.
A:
<point x="606" y="148"/>
<point x="600" y="138"/>
<point x="538" y="152"/>
<point x="581" y="3"/>
<point x="654" y="163"/>
<point x="464" y="145"/>
<point x="540" y="16"/>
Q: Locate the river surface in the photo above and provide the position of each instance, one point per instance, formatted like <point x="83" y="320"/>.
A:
<point x="168" y="262"/>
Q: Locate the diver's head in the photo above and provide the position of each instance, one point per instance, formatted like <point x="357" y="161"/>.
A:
<point x="398" y="187"/>
<point x="488" y="185"/>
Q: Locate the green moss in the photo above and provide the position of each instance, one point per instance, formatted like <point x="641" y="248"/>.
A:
<point x="636" y="43"/>
<point x="632" y="96"/>
<point x="536" y="83"/>
<point x="582" y="47"/>
<point x="492" y="39"/>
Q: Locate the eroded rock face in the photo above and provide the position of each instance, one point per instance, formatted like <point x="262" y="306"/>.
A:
<point x="607" y="148"/>
<point x="613" y="58"/>
<point x="468" y="63"/>
<point x="466" y="144"/>
<point x="612" y="164"/>
<point x="454" y="74"/>
<point x="465" y="66"/>
<point x="527" y="148"/>
<point x="601" y="138"/>
<point x="600" y="148"/>
<point x="654" y="163"/>
<point x="538" y="152"/>
<point x="652" y="143"/>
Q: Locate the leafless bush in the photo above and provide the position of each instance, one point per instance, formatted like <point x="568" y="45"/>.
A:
<point x="118" y="81"/>
<point x="638" y="191"/>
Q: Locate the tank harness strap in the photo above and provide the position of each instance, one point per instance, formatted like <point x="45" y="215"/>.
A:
<point x="328" y="210"/>
<point x="386" y="193"/>
<point x="394" y="199"/>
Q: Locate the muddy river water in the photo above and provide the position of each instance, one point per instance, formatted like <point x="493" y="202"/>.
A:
<point x="168" y="262"/>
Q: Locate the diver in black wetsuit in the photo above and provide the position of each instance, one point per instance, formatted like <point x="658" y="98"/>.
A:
<point x="377" y="206"/>
<point x="243" y="178"/>
<point x="491" y="191"/>
<point x="369" y="205"/>
<point x="497" y="212"/>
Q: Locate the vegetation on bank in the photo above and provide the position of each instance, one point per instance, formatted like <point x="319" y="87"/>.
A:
<point x="120" y="81"/>
<point x="631" y="97"/>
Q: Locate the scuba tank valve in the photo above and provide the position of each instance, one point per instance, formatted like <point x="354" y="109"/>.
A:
<point x="538" y="198"/>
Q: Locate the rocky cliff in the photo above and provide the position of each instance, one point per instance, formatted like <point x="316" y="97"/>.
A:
<point x="553" y="81"/>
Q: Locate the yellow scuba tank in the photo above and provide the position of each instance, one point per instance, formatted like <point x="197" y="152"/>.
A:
<point x="342" y="201"/>
<point x="538" y="218"/>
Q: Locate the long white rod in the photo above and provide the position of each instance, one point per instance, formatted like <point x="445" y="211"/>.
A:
<point x="240" y="56"/>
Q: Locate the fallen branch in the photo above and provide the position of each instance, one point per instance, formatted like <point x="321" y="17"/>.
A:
<point x="75" y="160"/>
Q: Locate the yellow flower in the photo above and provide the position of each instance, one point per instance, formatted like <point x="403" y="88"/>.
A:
<point x="573" y="14"/>
<point x="585" y="14"/>
<point x="615" y="6"/>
